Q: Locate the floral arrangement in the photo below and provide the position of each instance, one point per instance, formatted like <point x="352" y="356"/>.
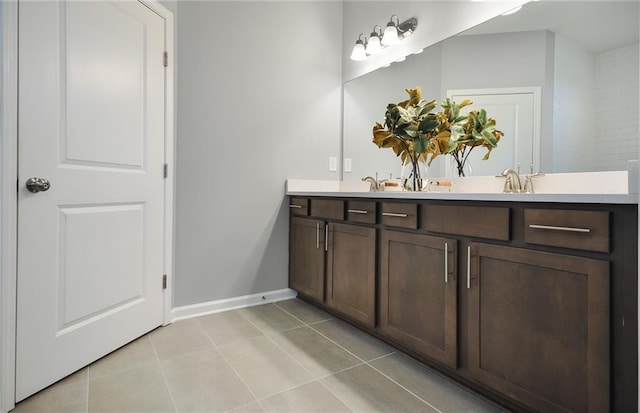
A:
<point x="418" y="135"/>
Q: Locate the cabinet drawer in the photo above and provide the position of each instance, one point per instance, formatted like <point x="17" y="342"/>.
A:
<point x="299" y="206"/>
<point x="327" y="208"/>
<point x="581" y="230"/>
<point x="399" y="215"/>
<point x="472" y="221"/>
<point x="361" y="211"/>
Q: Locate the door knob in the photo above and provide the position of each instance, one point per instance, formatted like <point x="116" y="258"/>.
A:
<point x="36" y="185"/>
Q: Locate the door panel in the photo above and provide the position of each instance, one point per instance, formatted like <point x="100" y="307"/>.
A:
<point x="418" y="302"/>
<point x="515" y="114"/>
<point x="105" y="119"/>
<point x="307" y="251"/>
<point x="351" y="271"/>
<point x="90" y="249"/>
<point x="539" y="327"/>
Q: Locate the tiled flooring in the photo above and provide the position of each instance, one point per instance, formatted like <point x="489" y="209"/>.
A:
<point x="282" y="357"/>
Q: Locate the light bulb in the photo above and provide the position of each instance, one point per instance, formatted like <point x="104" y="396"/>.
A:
<point x="373" y="45"/>
<point x="358" y="53"/>
<point x="390" y="35"/>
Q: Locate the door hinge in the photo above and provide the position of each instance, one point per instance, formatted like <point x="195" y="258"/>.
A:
<point x="166" y="170"/>
<point x="164" y="281"/>
<point x="165" y="59"/>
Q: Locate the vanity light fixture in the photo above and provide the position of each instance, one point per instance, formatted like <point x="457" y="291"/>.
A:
<point x="358" y="53"/>
<point x="378" y="40"/>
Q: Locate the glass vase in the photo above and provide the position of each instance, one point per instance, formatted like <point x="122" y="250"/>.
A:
<point x="461" y="170"/>
<point x="414" y="178"/>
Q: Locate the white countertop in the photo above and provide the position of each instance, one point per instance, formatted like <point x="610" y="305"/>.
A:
<point x="617" y="187"/>
<point x="564" y="198"/>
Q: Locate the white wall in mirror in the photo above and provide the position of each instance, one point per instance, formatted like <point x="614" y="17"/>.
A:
<point x="589" y="100"/>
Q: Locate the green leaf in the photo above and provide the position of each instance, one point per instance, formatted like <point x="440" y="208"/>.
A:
<point x="420" y="144"/>
<point x="489" y="138"/>
<point x="429" y="123"/>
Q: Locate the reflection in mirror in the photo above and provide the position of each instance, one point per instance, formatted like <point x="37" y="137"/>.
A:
<point x="581" y="57"/>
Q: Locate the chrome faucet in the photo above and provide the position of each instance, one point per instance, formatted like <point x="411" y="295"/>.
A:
<point x="373" y="183"/>
<point x="512" y="183"/>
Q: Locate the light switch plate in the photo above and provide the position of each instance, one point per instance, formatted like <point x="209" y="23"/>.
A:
<point x="347" y="164"/>
<point x="333" y="164"/>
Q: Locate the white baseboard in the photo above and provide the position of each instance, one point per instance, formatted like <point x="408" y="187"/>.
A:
<point x="211" y="307"/>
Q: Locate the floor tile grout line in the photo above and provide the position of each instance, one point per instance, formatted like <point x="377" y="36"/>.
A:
<point x="164" y="377"/>
<point x="406" y="389"/>
<point x="206" y="334"/>
<point x="279" y="346"/>
<point x="363" y="361"/>
<point x="243" y="382"/>
<point x="338" y="344"/>
<point x="341" y="371"/>
<point x="242" y="406"/>
<point x="315" y="379"/>
<point x="217" y="347"/>
<point x="188" y="353"/>
<point x="337" y="396"/>
<point x="125" y="369"/>
<point x="299" y="319"/>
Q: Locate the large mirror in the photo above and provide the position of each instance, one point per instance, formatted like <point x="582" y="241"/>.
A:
<point x="561" y="77"/>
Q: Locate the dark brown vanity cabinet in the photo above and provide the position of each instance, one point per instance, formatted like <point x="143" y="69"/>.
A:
<point x="306" y="257"/>
<point x="534" y="305"/>
<point x="351" y="261"/>
<point x="539" y="327"/>
<point x="418" y="297"/>
<point x="334" y="262"/>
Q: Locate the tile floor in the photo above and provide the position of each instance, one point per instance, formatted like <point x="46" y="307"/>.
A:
<point x="282" y="357"/>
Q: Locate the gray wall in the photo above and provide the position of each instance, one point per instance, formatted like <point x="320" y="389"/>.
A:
<point x="259" y="101"/>
<point x="574" y="134"/>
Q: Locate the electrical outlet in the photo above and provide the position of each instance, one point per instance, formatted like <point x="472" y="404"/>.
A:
<point x="333" y="164"/>
<point x="347" y="164"/>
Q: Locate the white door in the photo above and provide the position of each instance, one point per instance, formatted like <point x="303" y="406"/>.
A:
<point x="91" y="121"/>
<point x="517" y="114"/>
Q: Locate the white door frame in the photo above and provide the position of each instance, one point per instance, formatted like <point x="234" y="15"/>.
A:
<point x="9" y="195"/>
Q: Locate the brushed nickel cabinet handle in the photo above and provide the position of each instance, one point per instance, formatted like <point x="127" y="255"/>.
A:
<point x="295" y="206"/>
<point x="446" y="262"/>
<point x="468" y="267"/>
<point x="357" y="211"/>
<point x="394" y="214"/>
<point x="326" y="237"/>
<point x="317" y="235"/>
<point x="565" y="229"/>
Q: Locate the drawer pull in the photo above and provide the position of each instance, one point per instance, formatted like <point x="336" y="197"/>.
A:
<point x="295" y="206"/>
<point x="566" y="229"/>
<point x="357" y="211"/>
<point x="468" y="267"/>
<point x="394" y="214"/>
<point x="317" y="235"/>
<point x="446" y="262"/>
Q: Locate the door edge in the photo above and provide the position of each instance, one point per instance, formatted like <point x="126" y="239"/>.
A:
<point x="9" y="196"/>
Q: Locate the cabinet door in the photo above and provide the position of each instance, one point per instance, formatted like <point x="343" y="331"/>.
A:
<point x="306" y="257"/>
<point x="351" y="271"/>
<point x="418" y="297"/>
<point x="539" y="327"/>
